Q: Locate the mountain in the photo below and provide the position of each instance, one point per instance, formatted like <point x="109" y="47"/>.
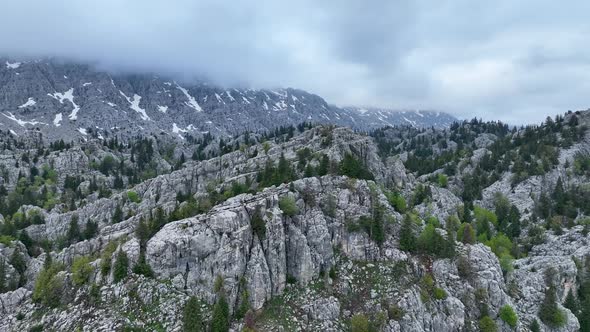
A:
<point x="378" y="117"/>
<point x="477" y="227"/>
<point x="67" y="100"/>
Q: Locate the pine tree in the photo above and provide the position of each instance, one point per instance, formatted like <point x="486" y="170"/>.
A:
<point x="572" y="303"/>
<point x="324" y="165"/>
<point x="74" y="230"/>
<point x="91" y="229"/>
<point x="2" y="276"/>
<point x="549" y="312"/>
<point x="220" y="316"/>
<point x="121" y="266"/>
<point x="192" y="320"/>
<point x="407" y="241"/>
<point x="118" y="214"/>
<point x="514" y="218"/>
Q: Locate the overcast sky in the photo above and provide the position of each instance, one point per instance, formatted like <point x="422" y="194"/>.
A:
<point x="516" y="61"/>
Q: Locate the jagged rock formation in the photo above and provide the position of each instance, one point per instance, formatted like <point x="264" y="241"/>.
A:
<point x="315" y="241"/>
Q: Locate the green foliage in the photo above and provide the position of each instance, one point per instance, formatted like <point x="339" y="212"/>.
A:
<point x="421" y="195"/>
<point x="133" y="197"/>
<point x="105" y="258"/>
<point x="218" y="285"/>
<point x="81" y="270"/>
<point x="442" y="180"/>
<point x="440" y="294"/>
<point x="549" y="313"/>
<point x="120" y="269"/>
<point x="258" y="224"/>
<point x="535" y="326"/>
<point x="407" y="241"/>
<point x="397" y="201"/>
<point x="17" y="261"/>
<point x="48" y="286"/>
<point x="508" y="315"/>
<point x="244" y="305"/>
<point x="500" y="245"/>
<point x="432" y="243"/>
<point x="74" y="234"/>
<point x="395" y="312"/>
<point x="117" y="214"/>
<point x="485" y="221"/>
<point x="288" y="206"/>
<point x="354" y="168"/>
<point x="3" y="286"/>
<point x="359" y="323"/>
<point x="220" y="316"/>
<point x="487" y="324"/>
<point x="466" y="234"/>
<point x="272" y="175"/>
<point x="192" y="320"/>
<point x="142" y="267"/>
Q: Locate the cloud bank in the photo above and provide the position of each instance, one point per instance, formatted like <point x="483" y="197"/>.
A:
<point x="507" y="60"/>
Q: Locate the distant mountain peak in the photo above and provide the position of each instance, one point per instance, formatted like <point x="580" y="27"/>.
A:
<point x="60" y="98"/>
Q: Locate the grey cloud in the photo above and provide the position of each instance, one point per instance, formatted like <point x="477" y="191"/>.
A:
<point x="514" y="61"/>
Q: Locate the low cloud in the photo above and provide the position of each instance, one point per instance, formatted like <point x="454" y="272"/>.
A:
<point x="516" y="62"/>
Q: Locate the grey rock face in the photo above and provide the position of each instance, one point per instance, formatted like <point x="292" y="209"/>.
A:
<point x="75" y="101"/>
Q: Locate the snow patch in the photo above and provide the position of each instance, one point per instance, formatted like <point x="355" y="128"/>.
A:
<point x="83" y="131"/>
<point x="230" y="96"/>
<point x="87" y="84"/>
<point x="219" y="99"/>
<point x="68" y="95"/>
<point x="22" y="123"/>
<point x="191" y="100"/>
<point x="111" y="104"/>
<point x="57" y="120"/>
<point x="13" y="65"/>
<point x="12" y="132"/>
<point x="135" y="105"/>
<point x="29" y="102"/>
<point x="162" y="109"/>
<point x="178" y="131"/>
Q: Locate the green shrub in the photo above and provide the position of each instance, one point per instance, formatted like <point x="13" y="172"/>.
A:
<point x="37" y="328"/>
<point x="288" y="206"/>
<point x="397" y="201"/>
<point x="508" y="315"/>
<point x="81" y="270"/>
<point x="48" y="286"/>
<point x="133" y="196"/>
<point x="487" y="324"/>
<point x="191" y="318"/>
<point x="359" y="323"/>
<point x="395" y="312"/>
<point x="442" y="180"/>
<point x="440" y="294"/>
<point x="6" y="239"/>
<point x="535" y="326"/>
<point x="105" y="258"/>
<point x="121" y="267"/>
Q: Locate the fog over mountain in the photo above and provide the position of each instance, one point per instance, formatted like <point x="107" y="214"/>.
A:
<point x="510" y="61"/>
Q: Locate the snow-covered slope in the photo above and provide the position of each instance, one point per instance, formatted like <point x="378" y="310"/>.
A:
<point x="59" y="98"/>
